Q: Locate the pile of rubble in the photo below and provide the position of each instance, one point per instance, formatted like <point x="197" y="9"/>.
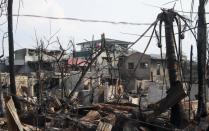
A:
<point x="127" y="114"/>
<point x="56" y="115"/>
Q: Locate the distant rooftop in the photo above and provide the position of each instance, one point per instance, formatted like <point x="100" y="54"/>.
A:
<point x="128" y="53"/>
<point x="157" y="56"/>
<point x="111" y="41"/>
<point x="45" y="50"/>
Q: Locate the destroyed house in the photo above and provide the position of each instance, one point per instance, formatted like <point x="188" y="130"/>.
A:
<point x="114" y="47"/>
<point x="110" y="43"/>
<point x="159" y="68"/>
<point x="131" y="66"/>
<point x="135" y="67"/>
<point x="27" y="60"/>
<point x="132" y="69"/>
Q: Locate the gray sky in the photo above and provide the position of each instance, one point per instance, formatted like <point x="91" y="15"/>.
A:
<point x="138" y="11"/>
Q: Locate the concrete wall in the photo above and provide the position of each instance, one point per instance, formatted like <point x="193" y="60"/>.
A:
<point x="20" y="54"/>
<point x="3" y="67"/>
<point x="131" y="76"/>
<point x="21" y="85"/>
<point x="155" y="65"/>
<point x="141" y="72"/>
<point x="25" y="69"/>
<point x="73" y="77"/>
<point x="32" y="55"/>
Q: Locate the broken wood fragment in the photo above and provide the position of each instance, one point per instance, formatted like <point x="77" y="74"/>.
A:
<point x="174" y="95"/>
<point x="91" y="116"/>
<point x="104" y="126"/>
<point x="13" y="120"/>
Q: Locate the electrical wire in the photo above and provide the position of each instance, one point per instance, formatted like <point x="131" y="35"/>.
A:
<point x="79" y="19"/>
<point x="179" y="11"/>
<point x="191" y="28"/>
<point x="146" y="47"/>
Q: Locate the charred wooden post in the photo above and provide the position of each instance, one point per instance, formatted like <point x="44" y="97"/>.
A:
<point x="190" y="81"/>
<point x="11" y="48"/>
<point x="38" y="87"/>
<point x="177" y="113"/>
<point x="62" y="83"/>
<point x="92" y="91"/>
<point x="11" y="54"/>
<point x="201" y="56"/>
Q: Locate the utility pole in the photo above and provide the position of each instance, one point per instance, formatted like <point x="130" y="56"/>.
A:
<point x="11" y="54"/>
<point x="190" y="81"/>
<point x="201" y="57"/>
<point x="11" y="48"/>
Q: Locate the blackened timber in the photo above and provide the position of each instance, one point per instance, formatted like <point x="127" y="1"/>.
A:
<point x="201" y="56"/>
<point x="11" y="48"/>
<point x="190" y="81"/>
<point x="11" y="54"/>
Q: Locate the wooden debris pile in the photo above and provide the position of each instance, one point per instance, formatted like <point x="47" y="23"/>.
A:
<point x="58" y="115"/>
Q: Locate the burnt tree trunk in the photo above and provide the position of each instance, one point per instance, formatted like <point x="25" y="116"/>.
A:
<point x="177" y="113"/>
<point x="201" y="56"/>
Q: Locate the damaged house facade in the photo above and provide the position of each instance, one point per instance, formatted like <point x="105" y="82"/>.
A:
<point x="151" y="67"/>
<point x="114" y="48"/>
<point x="26" y="60"/>
<point x="136" y="67"/>
<point x="132" y="70"/>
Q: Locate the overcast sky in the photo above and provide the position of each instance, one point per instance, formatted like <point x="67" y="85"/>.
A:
<point x="135" y="11"/>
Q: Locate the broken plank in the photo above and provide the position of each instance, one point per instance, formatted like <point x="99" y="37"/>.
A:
<point x="13" y="120"/>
